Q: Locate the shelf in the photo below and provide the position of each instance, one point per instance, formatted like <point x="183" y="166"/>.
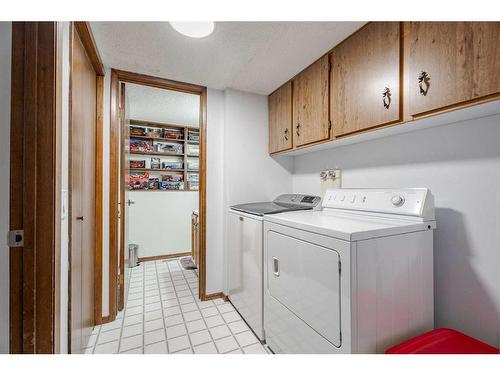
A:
<point x="156" y="170"/>
<point x="155" y="153"/>
<point x="153" y="124"/>
<point x="156" y="190"/>
<point x="157" y="138"/>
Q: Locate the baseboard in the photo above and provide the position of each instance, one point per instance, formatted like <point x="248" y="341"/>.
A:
<point x="160" y="257"/>
<point x="106" y="319"/>
<point x="209" y="297"/>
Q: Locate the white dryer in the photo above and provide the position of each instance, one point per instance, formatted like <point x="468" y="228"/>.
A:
<point x="356" y="277"/>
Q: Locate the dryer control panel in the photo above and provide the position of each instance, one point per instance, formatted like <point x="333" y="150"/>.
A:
<point x="416" y="202"/>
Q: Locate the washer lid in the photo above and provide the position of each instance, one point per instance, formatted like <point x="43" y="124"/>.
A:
<point x="349" y="226"/>
<point x="283" y="203"/>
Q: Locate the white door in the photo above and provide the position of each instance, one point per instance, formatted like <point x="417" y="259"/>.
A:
<point x="305" y="278"/>
<point x="245" y="269"/>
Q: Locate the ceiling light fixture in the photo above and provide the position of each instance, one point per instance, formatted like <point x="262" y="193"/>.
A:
<point x="194" y="29"/>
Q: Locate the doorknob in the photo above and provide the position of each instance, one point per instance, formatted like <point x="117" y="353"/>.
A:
<point x="81" y="218"/>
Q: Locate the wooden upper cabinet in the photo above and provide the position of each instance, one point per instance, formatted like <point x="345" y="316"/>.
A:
<point x="452" y="63"/>
<point x="280" y="119"/>
<point x="365" y="79"/>
<point x="310" y="104"/>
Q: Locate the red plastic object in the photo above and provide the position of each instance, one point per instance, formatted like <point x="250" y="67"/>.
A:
<point x="442" y="341"/>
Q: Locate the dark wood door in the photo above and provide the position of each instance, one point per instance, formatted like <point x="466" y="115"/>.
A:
<point x="460" y="61"/>
<point x="82" y="186"/>
<point x="310" y="104"/>
<point x="366" y="79"/>
<point x="280" y="119"/>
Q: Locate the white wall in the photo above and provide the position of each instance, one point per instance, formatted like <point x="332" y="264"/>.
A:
<point x="63" y="334"/>
<point x="160" y="222"/>
<point x="215" y="190"/>
<point x="460" y="163"/>
<point x="250" y="174"/>
<point x="5" y="59"/>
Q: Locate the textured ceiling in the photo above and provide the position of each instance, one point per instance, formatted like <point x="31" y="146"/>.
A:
<point x="159" y="105"/>
<point x="250" y="56"/>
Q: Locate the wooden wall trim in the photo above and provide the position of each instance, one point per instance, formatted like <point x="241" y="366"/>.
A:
<point x="99" y="199"/>
<point x="114" y="142"/>
<point x="34" y="187"/>
<point x="85" y="33"/>
<point x="166" y="256"/>
<point x="163" y="83"/>
<point x="202" y="201"/>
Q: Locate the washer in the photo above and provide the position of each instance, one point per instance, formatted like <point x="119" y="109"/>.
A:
<point x="245" y="253"/>
<point x="356" y="277"/>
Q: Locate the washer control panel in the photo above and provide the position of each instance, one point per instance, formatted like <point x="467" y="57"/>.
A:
<point x="412" y="202"/>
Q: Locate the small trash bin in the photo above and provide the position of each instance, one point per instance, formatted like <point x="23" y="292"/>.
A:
<point x="133" y="255"/>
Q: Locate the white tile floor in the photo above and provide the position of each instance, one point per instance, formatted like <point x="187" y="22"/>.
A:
<point x="164" y="315"/>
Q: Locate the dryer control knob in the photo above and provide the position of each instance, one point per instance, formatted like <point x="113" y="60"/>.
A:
<point x="397" y="200"/>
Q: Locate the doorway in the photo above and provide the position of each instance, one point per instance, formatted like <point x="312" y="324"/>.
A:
<point x="157" y="178"/>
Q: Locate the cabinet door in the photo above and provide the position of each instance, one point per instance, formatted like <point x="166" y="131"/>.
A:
<point x="280" y="119"/>
<point x="310" y="104"/>
<point x="365" y="68"/>
<point x="456" y="61"/>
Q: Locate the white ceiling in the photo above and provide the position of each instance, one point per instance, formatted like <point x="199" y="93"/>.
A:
<point x="250" y="56"/>
<point x="159" y="105"/>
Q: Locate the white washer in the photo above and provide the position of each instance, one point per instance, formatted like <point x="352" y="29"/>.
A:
<point x="356" y="277"/>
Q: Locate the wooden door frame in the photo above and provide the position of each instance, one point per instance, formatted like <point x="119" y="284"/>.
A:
<point x="116" y="292"/>
<point x="86" y="37"/>
<point x="35" y="187"/>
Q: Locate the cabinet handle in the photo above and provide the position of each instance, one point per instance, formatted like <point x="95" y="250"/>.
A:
<point x="423" y="79"/>
<point x="241" y="218"/>
<point x="386" y="97"/>
<point x="297" y="129"/>
<point x="286" y="134"/>
<point x="276" y="267"/>
<point x="81" y="218"/>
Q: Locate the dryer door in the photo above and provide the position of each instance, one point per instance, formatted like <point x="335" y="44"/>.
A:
<point x="305" y="278"/>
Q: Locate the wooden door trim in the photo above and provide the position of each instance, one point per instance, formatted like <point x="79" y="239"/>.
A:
<point x="85" y="34"/>
<point x="118" y="76"/>
<point x="88" y="41"/>
<point x="35" y="128"/>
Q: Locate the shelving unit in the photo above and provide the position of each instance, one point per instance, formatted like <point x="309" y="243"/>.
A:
<point x="185" y="132"/>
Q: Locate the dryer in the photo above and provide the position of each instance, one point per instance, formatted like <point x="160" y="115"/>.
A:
<point x="356" y="277"/>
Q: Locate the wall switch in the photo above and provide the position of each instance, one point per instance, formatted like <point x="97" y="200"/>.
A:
<point x="330" y="179"/>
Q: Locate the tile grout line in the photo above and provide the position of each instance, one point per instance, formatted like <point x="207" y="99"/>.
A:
<point x="161" y="308"/>
<point x="124" y="314"/>
<point x="179" y="304"/>
<point x="202" y="317"/>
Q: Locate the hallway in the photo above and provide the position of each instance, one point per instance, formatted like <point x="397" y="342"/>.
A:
<point x="164" y="315"/>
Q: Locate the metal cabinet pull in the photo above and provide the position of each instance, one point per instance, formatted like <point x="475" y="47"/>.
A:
<point x="297" y="129"/>
<point x="423" y="79"/>
<point x="386" y="97"/>
<point x="276" y="267"/>
<point x="80" y="218"/>
<point x="286" y="134"/>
